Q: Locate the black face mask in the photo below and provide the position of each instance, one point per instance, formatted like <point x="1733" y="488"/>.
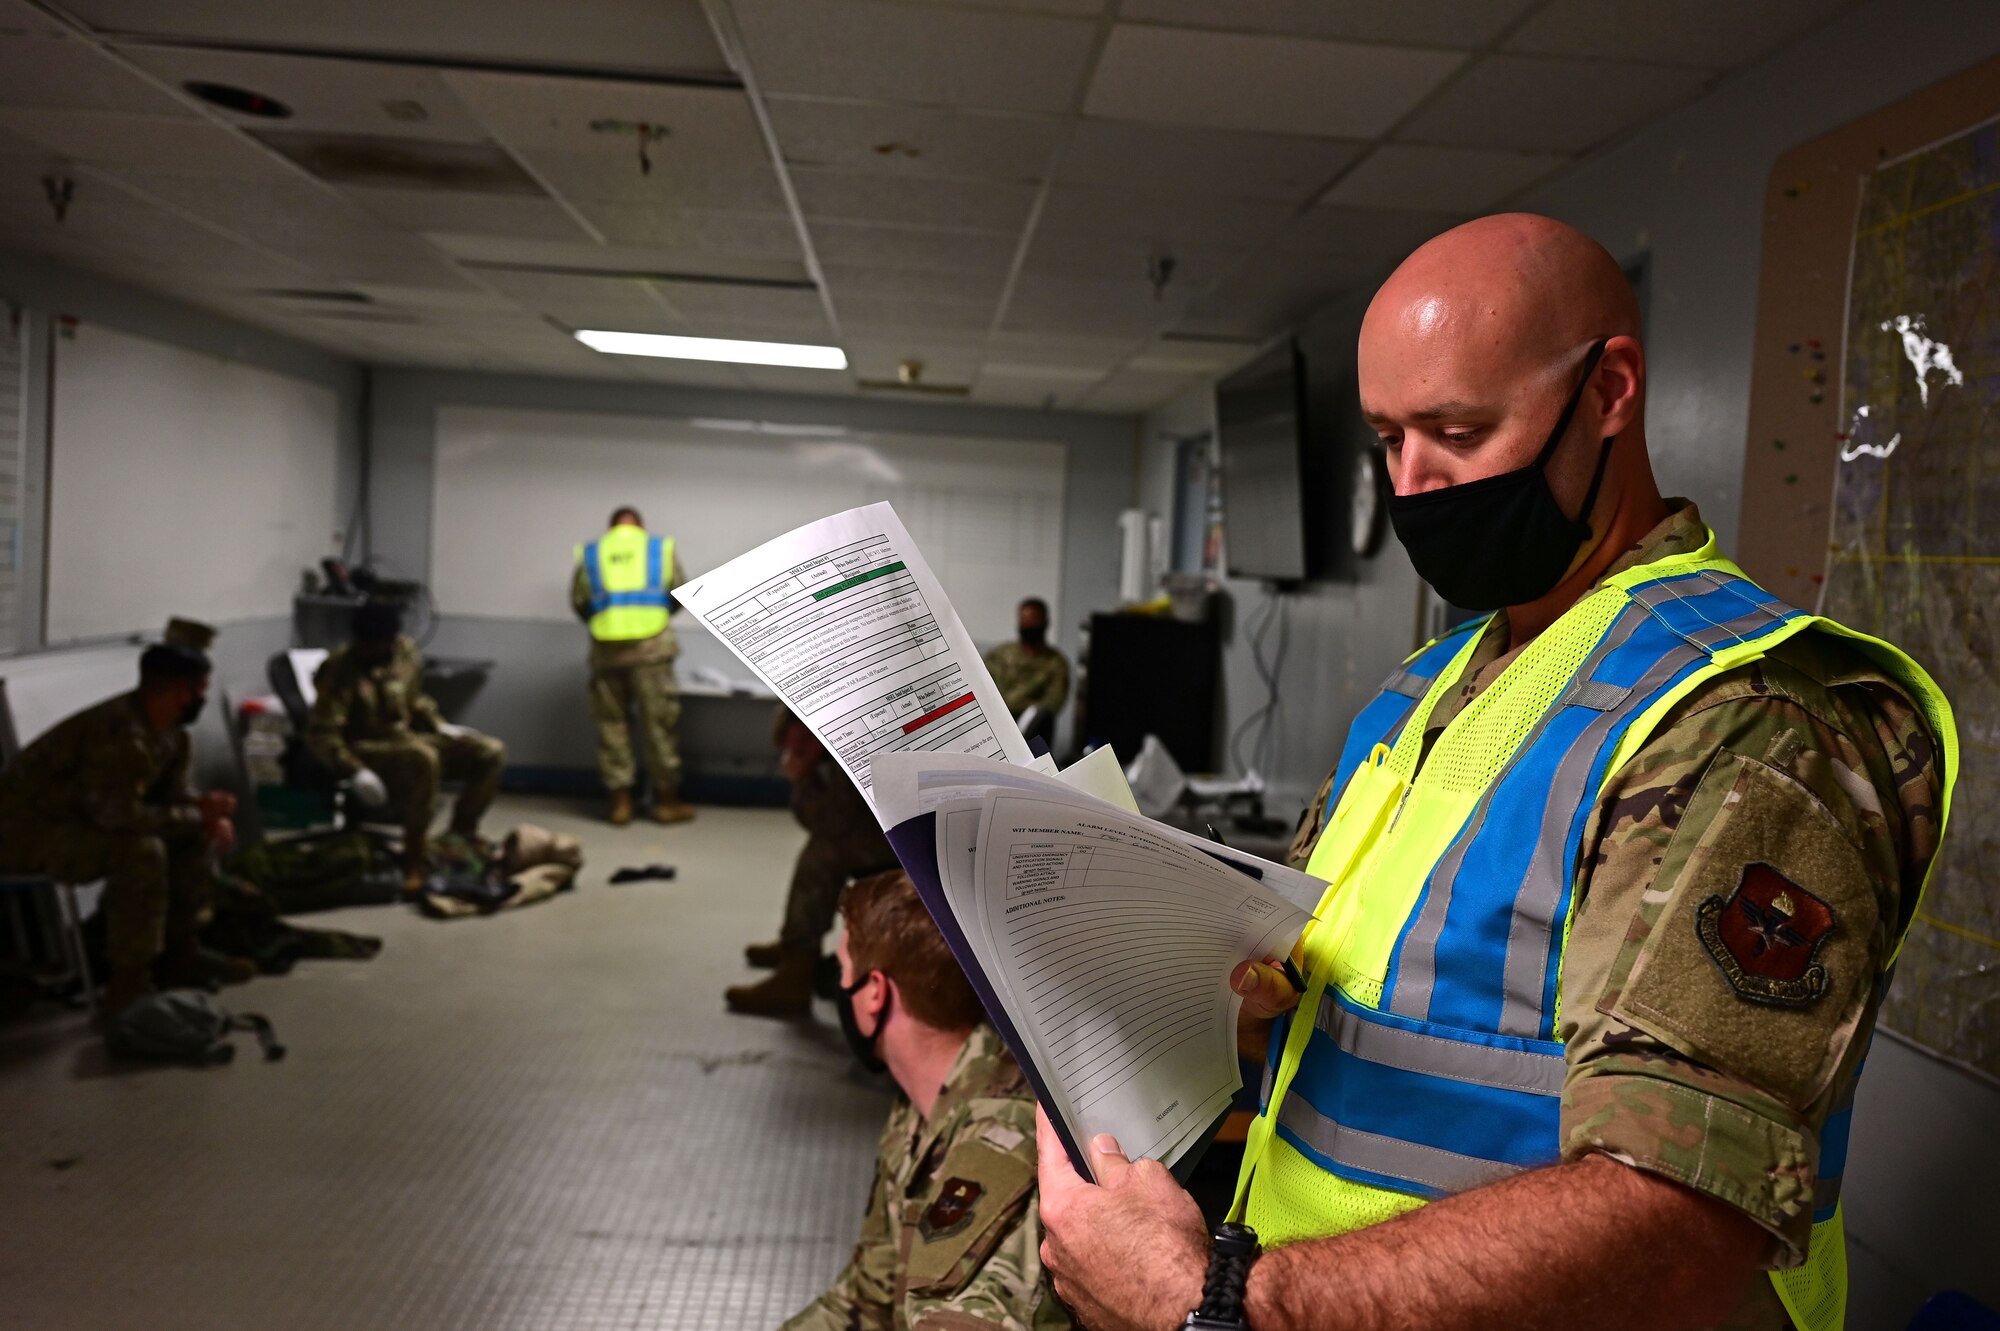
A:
<point x="1500" y="540"/>
<point x="1034" y="635"/>
<point x="861" y="1046"/>
<point x="192" y="712"/>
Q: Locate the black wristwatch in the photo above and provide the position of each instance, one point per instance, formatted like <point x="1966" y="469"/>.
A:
<point x="1228" y="1275"/>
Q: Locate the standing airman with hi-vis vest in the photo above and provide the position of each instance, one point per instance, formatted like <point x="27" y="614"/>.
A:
<point x="1616" y="876"/>
<point x="623" y="591"/>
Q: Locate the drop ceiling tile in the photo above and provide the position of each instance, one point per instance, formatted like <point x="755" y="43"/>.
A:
<point x="913" y="141"/>
<point x="459" y="213"/>
<point x="479" y="254"/>
<point x="1072" y="8"/>
<point x="1042" y="395"/>
<point x="1073" y="350"/>
<point x="275" y="209"/>
<point x="943" y="363"/>
<point x="18" y="18"/>
<point x="712" y="155"/>
<point x="467" y="306"/>
<point x="1714" y="34"/>
<point x="584" y="302"/>
<point x="1455" y="23"/>
<point x="921" y="249"/>
<point x="1533" y="102"/>
<point x="930" y="55"/>
<point x="786" y="379"/>
<point x="651" y="36"/>
<point x="700" y="230"/>
<point x="1169" y="220"/>
<point x="324" y="95"/>
<point x="1123" y="308"/>
<point x="979" y="287"/>
<point x="981" y="205"/>
<point x="65" y="74"/>
<point x="1275" y="292"/>
<point x="1136" y="390"/>
<point x="1440" y="179"/>
<point x="1095" y="258"/>
<point x="102" y="138"/>
<point x="1179" y="356"/>
<point x="707" y="305"/>
<point x="1282" y="85"/>
<point x="1380" y="233"/>
<point x="1175" y="159"/>
<point x="868" y="316"/>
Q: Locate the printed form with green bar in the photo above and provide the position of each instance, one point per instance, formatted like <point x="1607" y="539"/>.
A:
<point x="847" y="624"/>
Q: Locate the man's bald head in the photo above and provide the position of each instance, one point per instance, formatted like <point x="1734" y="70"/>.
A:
<point x="1514" y="292"/>
<point x="1472" y="348"/>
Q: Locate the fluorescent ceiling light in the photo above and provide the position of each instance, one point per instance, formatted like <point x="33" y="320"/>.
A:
<point x="714" y="348"/>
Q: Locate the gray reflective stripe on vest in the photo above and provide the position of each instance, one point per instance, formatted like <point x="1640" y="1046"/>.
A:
<point x="1416" y="972"/>
<point x="1407" y="684"/>
<point x="1446" y="1171"/>
<point x="1524" y="975"/>
<point x="1412" y="1051"/>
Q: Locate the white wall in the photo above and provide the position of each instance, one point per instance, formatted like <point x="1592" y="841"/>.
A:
<point x="47" y="288"/>
<point x="535" y="699"/>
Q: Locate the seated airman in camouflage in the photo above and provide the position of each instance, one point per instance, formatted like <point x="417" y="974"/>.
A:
<point x="106" y="794"/>
<point x="1032" y="676"/>
<point x="373" y="723"/>
<point x="952" y="1238"/>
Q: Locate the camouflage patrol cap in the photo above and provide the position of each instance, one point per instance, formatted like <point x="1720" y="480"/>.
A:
<point x="191" y="634"/>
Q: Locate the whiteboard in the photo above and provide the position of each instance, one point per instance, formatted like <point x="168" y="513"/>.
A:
<point x="516" y="491"/>
<point x="180" y="484"/>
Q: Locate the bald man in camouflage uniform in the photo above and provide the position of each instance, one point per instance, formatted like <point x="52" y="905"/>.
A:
<point x="951" y="1239"/>
<point x="1682" y="1059"/>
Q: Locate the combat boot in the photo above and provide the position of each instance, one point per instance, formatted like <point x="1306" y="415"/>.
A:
<point x="764" y="956"/>
<point x="621" y="808"/>
<point x="668" y="807"/>
<point x="785" y="992"/>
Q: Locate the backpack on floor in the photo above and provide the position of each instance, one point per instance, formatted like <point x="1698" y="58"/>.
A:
<point x="185" y="1024"/>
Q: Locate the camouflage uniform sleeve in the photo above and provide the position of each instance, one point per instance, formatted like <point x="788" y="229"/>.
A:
<point x="1312" y="818"/>
<point x="121" y="786"/>
<point x="424" y="713"/>
<point x="579" y="593"/>
<point x="1749" y="870"/>
<point x="1055" y="688"/>
<point x="859" y="1298"/>
<point x="975" y="1260"/>
<point x="326" y="730"/>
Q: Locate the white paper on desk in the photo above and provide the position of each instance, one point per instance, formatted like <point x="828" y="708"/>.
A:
<point x="847" y="624"/>
<point x="1111" y="945"/>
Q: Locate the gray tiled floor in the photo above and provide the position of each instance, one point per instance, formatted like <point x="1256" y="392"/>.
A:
<point x="539" y="1120"/>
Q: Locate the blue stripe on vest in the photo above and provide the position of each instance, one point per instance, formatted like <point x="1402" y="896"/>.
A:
<point x="655" y="548"/>
<point x="618" y="600"/>
<point x="595" y="575"/>
<point x="1513" y="1127"/>
<point x="1832" y="1161"/>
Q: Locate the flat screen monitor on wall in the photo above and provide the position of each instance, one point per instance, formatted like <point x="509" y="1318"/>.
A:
<point x="1261" y="428"/>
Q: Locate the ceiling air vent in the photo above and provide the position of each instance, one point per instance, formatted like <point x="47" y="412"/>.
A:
<point x="377" y="160"/>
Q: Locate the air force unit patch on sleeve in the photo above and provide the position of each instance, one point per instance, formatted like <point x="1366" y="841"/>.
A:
<point x="951" y="1211"/>
<point x="1766" y="938"/>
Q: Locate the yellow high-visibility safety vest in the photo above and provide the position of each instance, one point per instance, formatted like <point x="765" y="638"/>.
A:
<point x="628" y="572"/>
<point x="1423" y="1058"/>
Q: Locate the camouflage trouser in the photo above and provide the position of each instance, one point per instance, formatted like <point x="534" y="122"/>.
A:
<point x="651" y="690"/>
<point x="822" y="870"/>
<point x="156" y="889"/>
<point x="412" y="769"/>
